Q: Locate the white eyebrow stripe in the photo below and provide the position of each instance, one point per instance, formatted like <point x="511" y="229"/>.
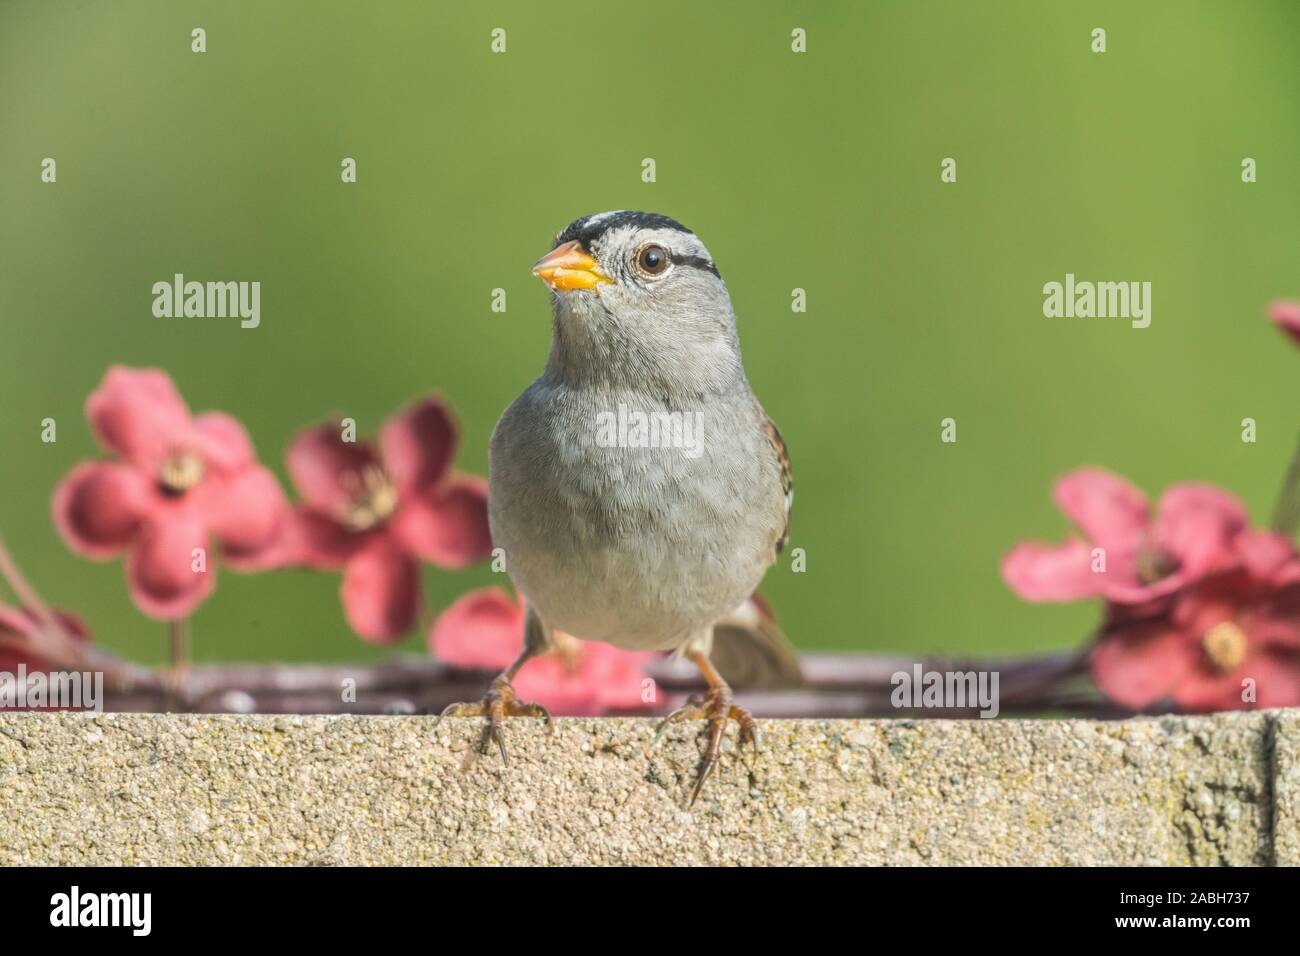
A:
<point x="602" y="216"/>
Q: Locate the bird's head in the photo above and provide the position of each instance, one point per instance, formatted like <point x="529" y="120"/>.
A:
<point x="638" y="300"/>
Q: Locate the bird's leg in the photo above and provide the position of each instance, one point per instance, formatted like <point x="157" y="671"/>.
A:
<point x="717" y="707"/>
<point x="500" y="700"/>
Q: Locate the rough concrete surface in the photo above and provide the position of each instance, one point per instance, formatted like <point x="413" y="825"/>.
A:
<point x="169" y="789"/>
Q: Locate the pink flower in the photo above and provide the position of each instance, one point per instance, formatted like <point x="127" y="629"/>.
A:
<point x="18" y="630"/>
<point x="1286" y="316"/>
<point x="1126" y="556"/>
<point x="1233" y="632"/>
<point x="176" y="482"/>
<point x="484" y="630"/>
<point x="376" y="512"/>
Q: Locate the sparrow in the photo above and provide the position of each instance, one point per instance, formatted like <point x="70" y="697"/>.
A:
<point x="637" y="488"/>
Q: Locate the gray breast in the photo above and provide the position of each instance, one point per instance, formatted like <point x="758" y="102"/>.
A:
<point x="626" y="520"/>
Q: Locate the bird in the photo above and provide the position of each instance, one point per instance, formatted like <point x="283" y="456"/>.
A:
<point x="637" y="489"/>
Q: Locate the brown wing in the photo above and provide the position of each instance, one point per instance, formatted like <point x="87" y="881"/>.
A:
<point x="787" y="479"/>
<point x="749" y="649"/>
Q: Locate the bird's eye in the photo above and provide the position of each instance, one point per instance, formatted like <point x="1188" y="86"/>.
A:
<point x="652" y="259"/>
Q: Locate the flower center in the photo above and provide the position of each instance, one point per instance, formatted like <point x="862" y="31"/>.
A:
<point x="1225" y="646"/>
<point x="180" y="472"/>
<point x="374" y="499"/>
<point x="1154" y="565"/>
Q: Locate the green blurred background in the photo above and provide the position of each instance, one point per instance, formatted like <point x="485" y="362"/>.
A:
<point x="818" y="170"/>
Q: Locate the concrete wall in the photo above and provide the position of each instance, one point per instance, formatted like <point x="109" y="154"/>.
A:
<point x="399" y="790"/>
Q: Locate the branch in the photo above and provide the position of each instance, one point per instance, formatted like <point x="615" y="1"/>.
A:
<point x="838" y="685"/>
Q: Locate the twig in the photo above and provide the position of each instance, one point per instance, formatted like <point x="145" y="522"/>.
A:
<point x="838" y="685"/>
<point x="178" y="639"/>
<point x="835" y="684"/>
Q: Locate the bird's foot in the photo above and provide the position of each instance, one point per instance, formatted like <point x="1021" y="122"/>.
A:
<point x="497" y="704"/>
<point x="717" y="707"/>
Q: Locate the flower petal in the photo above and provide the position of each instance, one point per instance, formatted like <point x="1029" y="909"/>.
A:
<point x="1210" y="602"/>
<point x="18" y="622"/>
<point x="222" y="441"/>
<point x="1044" y="572"/>
<point x="137" y="413"/>
<point x="23" y="622"/>
<point x="306" y="538"/>
<point x="100" y="505"/>
<point x="620" y="676"/>
<point x="17" y="628"/>
<point x="1265" y="555"/>
<point x="1204" y="690"/>
<point x="1273" y="623"/>
<point x="447" y="526"/>
<point x="325" y="469"/>
<point x="322" y="542"/>
<point x="547" y="681"/>
<point x="1196" y="525"/>
<point x="481" y="629"/>
<point x="604" y="679"/>
<point x="1276" y="676"/>
<point x="73" y="625"/>
<point x="246" y="512"/>
<point x="1143" y="600"/>
<point x="166" y="576"/>
<point x="1110" y="511"/>
<point x="1139" y="664"/>
<point x="417" y="445"/>
<point x="381" y="591"/>
<point x="1286" y="316"/>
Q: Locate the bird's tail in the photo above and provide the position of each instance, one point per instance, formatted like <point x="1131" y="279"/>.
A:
<point x="751" y="651"/>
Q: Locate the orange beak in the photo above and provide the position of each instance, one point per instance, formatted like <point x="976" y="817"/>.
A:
<point x="568" y="267"/>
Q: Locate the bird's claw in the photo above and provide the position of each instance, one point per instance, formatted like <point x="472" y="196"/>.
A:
<point x="717" y="707"/>
<point x="498" y="703"/>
